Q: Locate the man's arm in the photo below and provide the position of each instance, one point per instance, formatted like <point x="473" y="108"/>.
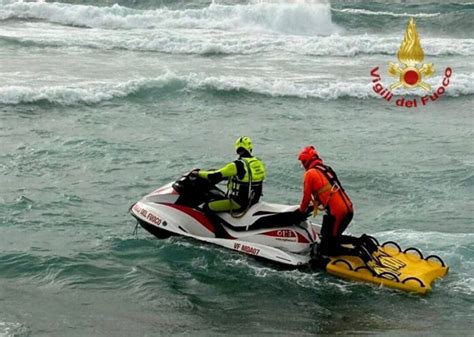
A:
<point x="307" y="191"/>
<point x="215" y="176"/>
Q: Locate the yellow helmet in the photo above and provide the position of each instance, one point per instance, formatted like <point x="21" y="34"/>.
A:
<point x="244" y="143"/>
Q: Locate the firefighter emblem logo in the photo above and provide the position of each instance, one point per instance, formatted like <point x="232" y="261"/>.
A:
<point x="412" y="71"/>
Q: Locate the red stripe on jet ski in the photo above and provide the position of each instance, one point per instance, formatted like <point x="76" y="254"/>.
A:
<point x="302" y="239"/>
<point x="196" y="215"/>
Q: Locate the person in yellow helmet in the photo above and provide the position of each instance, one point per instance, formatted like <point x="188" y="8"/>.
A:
<point x="245" y="179"/>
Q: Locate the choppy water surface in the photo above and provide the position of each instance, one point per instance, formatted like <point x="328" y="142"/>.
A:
<point x="100" y="103"/>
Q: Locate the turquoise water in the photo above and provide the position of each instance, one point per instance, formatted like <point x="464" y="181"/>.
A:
<point x="102" y="103"/>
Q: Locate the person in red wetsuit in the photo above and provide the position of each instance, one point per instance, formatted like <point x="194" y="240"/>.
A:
<point x="323" y="189"/>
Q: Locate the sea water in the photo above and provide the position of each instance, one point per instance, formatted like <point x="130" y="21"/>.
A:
<point x="103" y="101"/>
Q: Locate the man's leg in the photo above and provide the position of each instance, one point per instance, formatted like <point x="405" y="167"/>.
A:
<point x="332" y="238"/>
<point x="213" y="207"/>
<point x="223" y="205"/>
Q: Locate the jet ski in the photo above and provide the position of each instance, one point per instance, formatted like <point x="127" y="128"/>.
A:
<point x="266" y="230"/>
<point x="272" y="232"/>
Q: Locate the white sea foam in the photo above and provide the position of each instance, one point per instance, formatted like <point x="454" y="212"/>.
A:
<point x="337" y="45"/>
<point x="293" y="18"/>
<point x="306" y="26"/>
<point x="295" y="277"/>
<point x="464" y="286"/>
<point x="8" y="329"/>
<point x="441" y="240"/>
<point x="95" y="92"/>
<point x="368" y="12"/>
<point x="221" y="43"/>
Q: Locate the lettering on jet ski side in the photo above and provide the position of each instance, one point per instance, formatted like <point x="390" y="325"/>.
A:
<point x="137" y="208"/>
<point x="150" y="216"/>
<point x="283" y="235"/>
<point x="153" y="218"/>
<point x="246" y="249"/>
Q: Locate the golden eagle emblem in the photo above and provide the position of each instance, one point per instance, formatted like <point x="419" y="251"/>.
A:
<point x="410" y="74"/>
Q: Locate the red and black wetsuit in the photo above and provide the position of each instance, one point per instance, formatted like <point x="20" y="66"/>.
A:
<point x="322" y="185"/>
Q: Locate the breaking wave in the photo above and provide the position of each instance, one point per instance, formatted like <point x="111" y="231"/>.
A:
<point x="173" y="43"/>
<point x="369" y="12"/>
<point x="92" y="93"/>
<point x="293" y="18"/>
<point x="434" y="19"/>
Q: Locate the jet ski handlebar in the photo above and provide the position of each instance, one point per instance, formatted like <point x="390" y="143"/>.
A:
<point x="191" y="184"/>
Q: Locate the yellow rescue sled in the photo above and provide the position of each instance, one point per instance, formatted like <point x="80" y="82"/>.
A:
<point x="406" y="270"/>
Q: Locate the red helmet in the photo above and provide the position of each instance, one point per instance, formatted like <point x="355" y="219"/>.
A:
<point x="307" y="155"/>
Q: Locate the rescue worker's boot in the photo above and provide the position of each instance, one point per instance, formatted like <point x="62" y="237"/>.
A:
<point x="318" y="260"/>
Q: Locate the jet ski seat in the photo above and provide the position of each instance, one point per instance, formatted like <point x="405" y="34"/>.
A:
<point x="260" y="216"/>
